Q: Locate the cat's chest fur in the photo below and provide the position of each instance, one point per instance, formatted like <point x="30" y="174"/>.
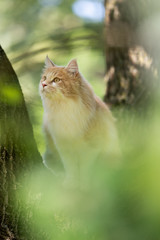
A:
<point x="66" y="120"/>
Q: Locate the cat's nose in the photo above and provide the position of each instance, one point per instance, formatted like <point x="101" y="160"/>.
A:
<point x="44" y="84"/>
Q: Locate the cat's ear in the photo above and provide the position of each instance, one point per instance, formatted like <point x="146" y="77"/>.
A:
<point x="49" y="63"/>
<point x="72" y="66"/>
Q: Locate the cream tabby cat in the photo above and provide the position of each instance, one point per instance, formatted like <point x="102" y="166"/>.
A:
<point x="79" y="127"/>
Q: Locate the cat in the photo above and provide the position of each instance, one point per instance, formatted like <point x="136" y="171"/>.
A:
<point x="79" y="128"/>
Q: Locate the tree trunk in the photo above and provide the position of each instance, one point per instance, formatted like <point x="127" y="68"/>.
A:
<point x="19" y="158"/>
<point x="130" y="70"/>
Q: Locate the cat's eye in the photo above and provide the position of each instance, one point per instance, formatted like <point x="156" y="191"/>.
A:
<point x="44" y="78"/>
<point x="56" y="79"/>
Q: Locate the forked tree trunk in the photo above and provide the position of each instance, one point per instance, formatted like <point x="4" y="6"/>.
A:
<point x="130" y="75"/>
<point x="19" y="158"/>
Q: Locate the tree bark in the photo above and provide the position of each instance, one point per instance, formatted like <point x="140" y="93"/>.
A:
<point x="19" y="157"/>
<point x="130" y="71"/>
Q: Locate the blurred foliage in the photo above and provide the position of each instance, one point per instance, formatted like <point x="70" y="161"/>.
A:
<point x="123" y="200"/>
<point x="10" y="94"/>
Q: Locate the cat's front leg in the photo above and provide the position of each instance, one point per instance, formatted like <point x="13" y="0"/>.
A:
<point x="51" y="157"/>
<point x="71" y="168"/>
<point x="51" y="161"/>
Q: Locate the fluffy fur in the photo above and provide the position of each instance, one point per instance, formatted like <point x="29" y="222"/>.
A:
<point x="79" y="127"/>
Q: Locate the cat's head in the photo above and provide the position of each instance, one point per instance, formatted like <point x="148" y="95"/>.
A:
<point x="59" y="82"/>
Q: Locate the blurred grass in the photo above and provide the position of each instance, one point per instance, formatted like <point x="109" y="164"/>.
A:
<point x="123" y="201"/>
